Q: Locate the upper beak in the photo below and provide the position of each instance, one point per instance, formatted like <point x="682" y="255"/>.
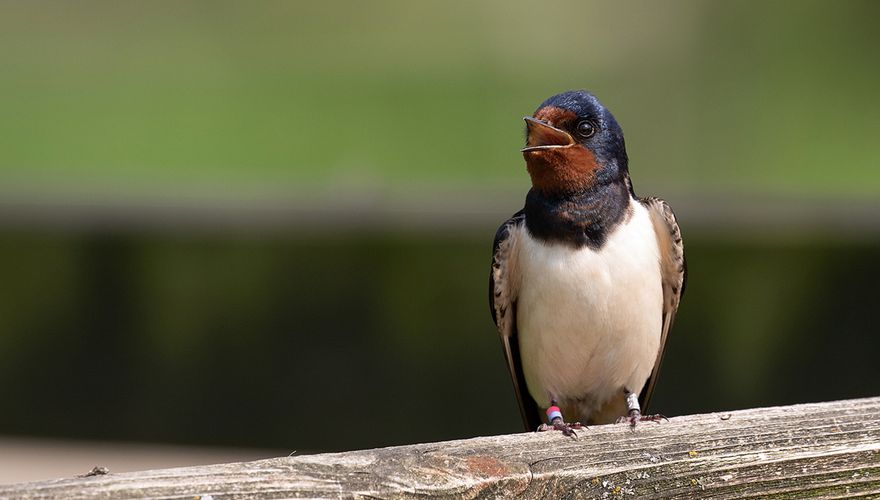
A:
<point x="542" y="135"/>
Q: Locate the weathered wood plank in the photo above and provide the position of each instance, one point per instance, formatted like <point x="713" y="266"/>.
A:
<point x="824" y="450"/>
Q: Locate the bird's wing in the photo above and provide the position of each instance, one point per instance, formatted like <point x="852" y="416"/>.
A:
<point x="673" y="268"/>
<point x="503" y="288"/>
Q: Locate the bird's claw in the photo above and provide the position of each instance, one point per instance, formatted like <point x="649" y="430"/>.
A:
<point x="559" y="425"/>
<point x="636" y="416"/>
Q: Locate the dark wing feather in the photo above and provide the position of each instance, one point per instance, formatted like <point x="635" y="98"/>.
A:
<point x="502" y="305"/>
<point x="673" y="268"/>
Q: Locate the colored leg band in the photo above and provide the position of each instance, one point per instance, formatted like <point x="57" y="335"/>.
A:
<point x="632" y="401"/>
<point x="553" y="412"/>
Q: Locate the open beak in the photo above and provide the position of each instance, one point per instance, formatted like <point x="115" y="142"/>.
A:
<point x="542" y="136"/>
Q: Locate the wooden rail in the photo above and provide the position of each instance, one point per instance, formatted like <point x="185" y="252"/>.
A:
<point x="823" y="450"/>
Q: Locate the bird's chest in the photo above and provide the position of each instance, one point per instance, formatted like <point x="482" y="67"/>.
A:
<point x="589" y="320"/>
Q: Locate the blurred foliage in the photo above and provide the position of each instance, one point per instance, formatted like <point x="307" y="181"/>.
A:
<point x="244" y="98"/>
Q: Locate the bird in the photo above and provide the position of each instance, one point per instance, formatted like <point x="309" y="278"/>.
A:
<point x="586" y="278"/>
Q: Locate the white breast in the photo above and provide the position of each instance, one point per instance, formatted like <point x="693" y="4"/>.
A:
<point x="589" y="321"/>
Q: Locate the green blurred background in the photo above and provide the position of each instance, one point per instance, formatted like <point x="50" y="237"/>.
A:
<point x="269" y="224"/>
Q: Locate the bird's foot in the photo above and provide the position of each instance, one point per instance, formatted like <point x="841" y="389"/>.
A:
<point x="635" y="416"/>
<point x="559" y="425"/>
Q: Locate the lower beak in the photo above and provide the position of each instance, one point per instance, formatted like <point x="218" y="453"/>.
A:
<point x="543" y="136"/>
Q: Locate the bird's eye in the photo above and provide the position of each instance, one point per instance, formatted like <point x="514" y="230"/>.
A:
<point x="585" y="129"/>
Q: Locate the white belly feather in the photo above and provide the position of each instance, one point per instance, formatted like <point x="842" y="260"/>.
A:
<point x="589" y="321"/>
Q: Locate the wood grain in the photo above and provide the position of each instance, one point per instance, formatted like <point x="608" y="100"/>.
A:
<point x="823" y="450"/>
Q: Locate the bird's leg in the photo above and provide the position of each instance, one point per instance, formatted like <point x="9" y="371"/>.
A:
<point x="554" y="415"/>
<point x="634" y="414"/>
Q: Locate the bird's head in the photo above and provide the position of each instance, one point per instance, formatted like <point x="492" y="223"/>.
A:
<point x="573" y="143"/>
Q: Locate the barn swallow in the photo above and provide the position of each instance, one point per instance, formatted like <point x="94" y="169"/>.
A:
<point x="586" y="278"/>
